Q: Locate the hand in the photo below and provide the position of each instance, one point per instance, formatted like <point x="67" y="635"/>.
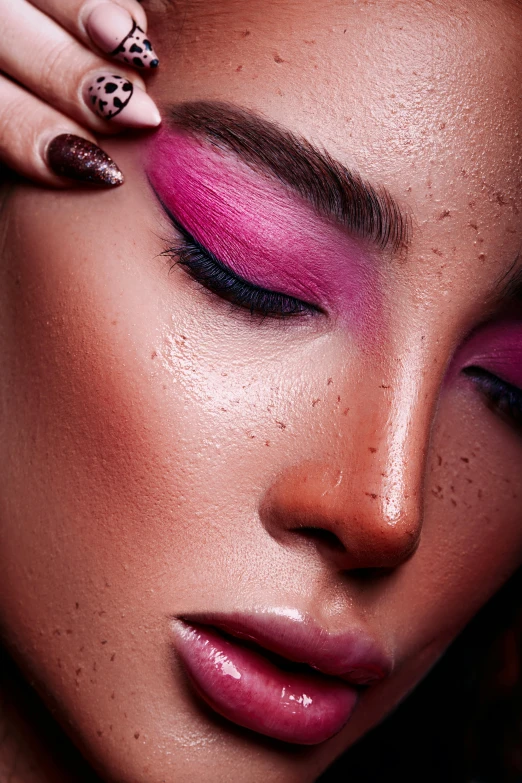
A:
<point x="69" y="68"/>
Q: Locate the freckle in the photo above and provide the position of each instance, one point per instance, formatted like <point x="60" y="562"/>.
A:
<point x="136" y="735"/>
<point x="452" y="488"/>
<point x="68" y="632"/>
<point x="278" y="58"/>
<point x="329" y="381"/>
<point x="454" y="502"/>
<point x="78" y="671"/>
<point x="77" y="605"/>
<point x="444" y="214"/>
<point x="464" y="459"/>
<point x="372" y="449"/>
<point x="82" y="648"/>
<point x="314" y="402"/>
<point x="113" y="695"/>
<point x="104" y="641"/>
<point x="439" y="460"/>
<point x="239" y="68"/>
<point x="345" y="412"/>
<point x="470" y="481"/>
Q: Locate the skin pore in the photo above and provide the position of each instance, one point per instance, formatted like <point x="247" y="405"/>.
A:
<point x="167" y="453"/>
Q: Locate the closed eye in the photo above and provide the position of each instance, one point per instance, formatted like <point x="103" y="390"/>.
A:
<point x="220" y="280"/>
<point x="501" y="397"/>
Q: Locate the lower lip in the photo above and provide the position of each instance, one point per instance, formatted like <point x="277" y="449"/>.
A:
<point x="245" y="687"/>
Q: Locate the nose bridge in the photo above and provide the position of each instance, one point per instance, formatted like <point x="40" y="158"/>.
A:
<point x="400" y="453"/>
<point x="377" y="513"/>
<point x="368" y="492"/>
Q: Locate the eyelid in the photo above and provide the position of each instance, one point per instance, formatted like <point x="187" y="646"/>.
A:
<point x="290" y="306"/>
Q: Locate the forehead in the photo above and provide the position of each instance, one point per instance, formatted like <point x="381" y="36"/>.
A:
<point x="423" y="97"/>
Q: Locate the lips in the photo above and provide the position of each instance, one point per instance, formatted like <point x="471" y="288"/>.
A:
<point x="278" y="673"/>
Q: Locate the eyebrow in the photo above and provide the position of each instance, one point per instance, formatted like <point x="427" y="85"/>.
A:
<point x="333" y="191"/>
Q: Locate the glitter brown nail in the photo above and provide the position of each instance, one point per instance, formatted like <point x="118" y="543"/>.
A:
<point x="76" y="158"/>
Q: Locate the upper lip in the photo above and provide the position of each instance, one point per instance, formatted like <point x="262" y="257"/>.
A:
<point x="351" y="655"/>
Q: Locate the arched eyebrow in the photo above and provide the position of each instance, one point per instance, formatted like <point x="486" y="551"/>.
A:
<point x="335" y="192"/>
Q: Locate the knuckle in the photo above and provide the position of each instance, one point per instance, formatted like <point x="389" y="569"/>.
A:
<point x="13" y="125"/>
<point x="56" y="65"/>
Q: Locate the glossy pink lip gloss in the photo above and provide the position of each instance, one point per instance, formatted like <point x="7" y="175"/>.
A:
<point x="251" y="687"/>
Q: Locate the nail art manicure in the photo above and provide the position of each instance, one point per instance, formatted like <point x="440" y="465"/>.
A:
<point x="115" y="98"/>
<point x="114" y="30"/>
<point x="76" y="158"/>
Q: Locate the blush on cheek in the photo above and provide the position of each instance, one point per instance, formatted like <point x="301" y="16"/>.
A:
<point x="496" y="348"/>
<point x="261" y="231"/>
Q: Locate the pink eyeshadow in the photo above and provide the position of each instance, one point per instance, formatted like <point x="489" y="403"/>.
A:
<point x="260" y="230"/>
<point x="496" y="348"/>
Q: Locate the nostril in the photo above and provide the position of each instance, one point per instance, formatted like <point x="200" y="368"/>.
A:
<point x="325" y="537"/>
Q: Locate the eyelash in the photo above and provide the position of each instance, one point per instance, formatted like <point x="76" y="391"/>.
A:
<point x="501" y="397"/>
<point x="217" y="278"/>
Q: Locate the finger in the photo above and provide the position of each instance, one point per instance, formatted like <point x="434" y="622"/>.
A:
<point x="116" y="28"/>
<point x="52" y="64"/>
<point x="43" y="145"/>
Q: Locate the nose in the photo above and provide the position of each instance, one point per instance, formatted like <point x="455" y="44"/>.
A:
<point x="362" y="504"/>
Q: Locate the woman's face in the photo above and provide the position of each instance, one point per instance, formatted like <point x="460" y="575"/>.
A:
<point x="350" y="472"/>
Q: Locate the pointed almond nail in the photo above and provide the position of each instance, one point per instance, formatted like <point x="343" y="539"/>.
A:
<point x="76" y="158"/>
<point x="114" y="30"/>
<point x="117" y="99"/>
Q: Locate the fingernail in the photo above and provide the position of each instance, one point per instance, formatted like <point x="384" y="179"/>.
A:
<point x="115" y="98"/>
<point x="76" y="158"/>
<point x="114" y="30"/>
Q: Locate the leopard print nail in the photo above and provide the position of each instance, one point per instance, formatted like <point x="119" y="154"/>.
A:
<point x="108" y="95"/>
<point x="136" y="50"/>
